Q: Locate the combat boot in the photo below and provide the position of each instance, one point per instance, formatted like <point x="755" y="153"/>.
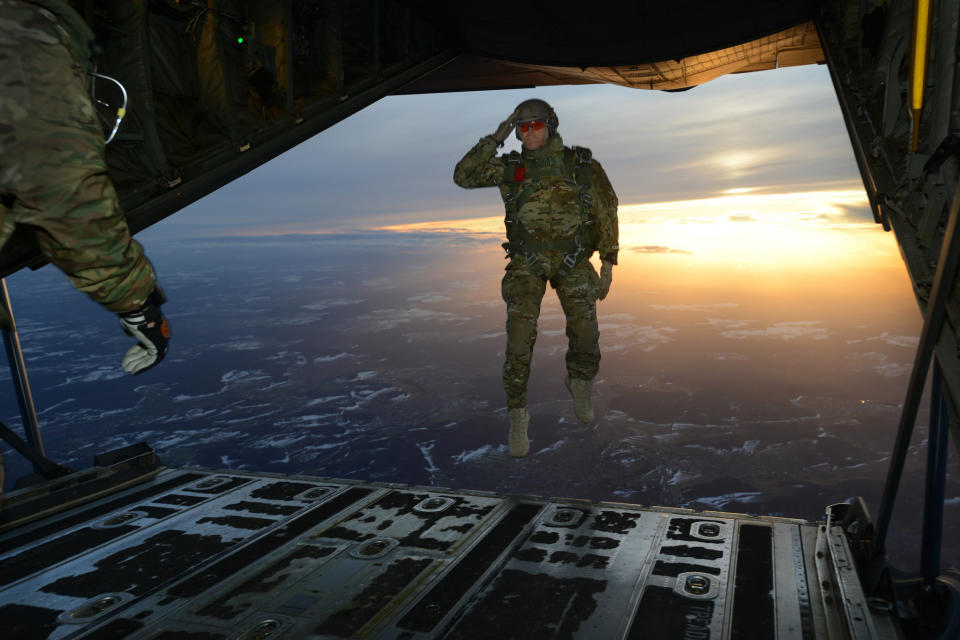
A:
<point x="519" y="420"/>
<point x="582" y="405"/>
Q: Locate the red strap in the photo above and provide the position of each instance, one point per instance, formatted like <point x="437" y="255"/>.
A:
<point x="519" y="173"/>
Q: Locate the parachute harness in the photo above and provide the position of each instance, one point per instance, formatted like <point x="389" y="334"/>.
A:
<point x="577" y="170"/>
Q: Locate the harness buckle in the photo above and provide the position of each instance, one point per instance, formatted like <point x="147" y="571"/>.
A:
<point x="530" y="257"/>
<point x="571" y="259"/>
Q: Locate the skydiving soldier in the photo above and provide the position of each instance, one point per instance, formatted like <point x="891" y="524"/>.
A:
<point x="53" y="175"/>
<point x="560" y="208"/>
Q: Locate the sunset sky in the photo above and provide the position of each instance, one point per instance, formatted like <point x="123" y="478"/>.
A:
<point x="767" y="147"/>
<point x="748" y="173"/>
<point x="740" y="191"/>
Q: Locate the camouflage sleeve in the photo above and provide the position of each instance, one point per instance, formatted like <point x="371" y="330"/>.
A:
<point x="88" y="239"/>
<point x="52" y="166"/>
<point x="480" y="167"/>
<point x="605" y="212"/>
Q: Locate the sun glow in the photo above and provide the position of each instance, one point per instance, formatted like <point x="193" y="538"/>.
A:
<point x="820" y="230"/>
<point x="472" y="226"/>
<point x="789" y="230"/>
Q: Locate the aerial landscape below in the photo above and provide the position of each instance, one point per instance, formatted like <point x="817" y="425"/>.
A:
<point x="377" y="356"/>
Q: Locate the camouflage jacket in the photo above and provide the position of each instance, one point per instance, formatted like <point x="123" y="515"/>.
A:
<point x="548" y="207"/>
<point x="53" y="175"/>
<point x="80" y="33"/>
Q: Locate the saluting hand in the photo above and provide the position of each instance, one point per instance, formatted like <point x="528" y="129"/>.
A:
<point x="503" y="131"/>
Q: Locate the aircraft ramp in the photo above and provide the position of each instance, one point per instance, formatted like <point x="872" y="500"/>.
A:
<point x="221" y="555"/>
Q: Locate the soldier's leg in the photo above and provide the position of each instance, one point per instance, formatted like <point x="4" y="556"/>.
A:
<point x="577" y="290"/>
<point x="522" y="290"/>
<point x="52" y="163"/>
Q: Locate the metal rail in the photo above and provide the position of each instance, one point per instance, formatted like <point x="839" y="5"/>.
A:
<point x="933" y="322"/>
<point x="43" y="465"/>
<point x="18" y="371"/>
<point x="931" y="543"/>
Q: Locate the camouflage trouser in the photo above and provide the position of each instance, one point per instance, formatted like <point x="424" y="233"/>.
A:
<point x="53" y="176"/>
<point x="522" y="288"/>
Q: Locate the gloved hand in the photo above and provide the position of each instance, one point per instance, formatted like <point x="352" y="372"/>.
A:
<point x="503" y="131"/>
<point x="151" y="331"/>
<point x="606" y="278"/>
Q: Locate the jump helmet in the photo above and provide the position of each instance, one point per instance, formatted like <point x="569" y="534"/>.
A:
<point x="534" y="109"/>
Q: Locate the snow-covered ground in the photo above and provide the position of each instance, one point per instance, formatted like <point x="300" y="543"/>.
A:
<point x="382" y="361"/>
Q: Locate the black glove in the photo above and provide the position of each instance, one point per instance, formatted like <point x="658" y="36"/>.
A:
<point x="152" y="332"/>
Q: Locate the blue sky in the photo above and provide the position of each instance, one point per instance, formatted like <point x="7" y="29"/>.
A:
<point x="392" y="163"/>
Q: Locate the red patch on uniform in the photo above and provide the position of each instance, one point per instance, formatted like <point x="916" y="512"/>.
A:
<point x="165" y="329"/>
<point x="519" y="174"/>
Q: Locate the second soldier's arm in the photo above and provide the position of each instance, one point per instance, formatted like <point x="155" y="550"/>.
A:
<point x="60" y="189"/>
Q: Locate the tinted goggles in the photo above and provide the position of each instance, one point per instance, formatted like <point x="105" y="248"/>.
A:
<point x="536" y="125"/>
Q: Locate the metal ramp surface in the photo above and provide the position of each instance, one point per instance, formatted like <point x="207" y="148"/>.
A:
<point x="220" y="555"/>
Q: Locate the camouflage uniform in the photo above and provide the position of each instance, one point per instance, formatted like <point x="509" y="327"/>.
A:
<point x="53" y="176"/>
<point x="548" y="210"/>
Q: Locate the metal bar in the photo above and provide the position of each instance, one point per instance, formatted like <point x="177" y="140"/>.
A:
<point x="18" y="371"/>
<point x="377" y="35"/>
<point x="860" y="154"/>
<point x="932" y="324"/>
<point x="932" y="541"/>
<point x="954" y="123"/>
<point x="843" y="573"/>
<point x="42" y="465"/>
<point x="288" y="51"/>
<point x="336" y="49"/>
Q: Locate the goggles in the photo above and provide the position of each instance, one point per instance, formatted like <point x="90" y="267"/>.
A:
<point x="536" y="125"/>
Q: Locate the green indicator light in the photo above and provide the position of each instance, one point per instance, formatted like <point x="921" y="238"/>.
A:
<point x="239" y="39"/>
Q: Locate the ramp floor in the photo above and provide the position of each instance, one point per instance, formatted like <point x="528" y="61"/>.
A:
<point x="221" y="555"/>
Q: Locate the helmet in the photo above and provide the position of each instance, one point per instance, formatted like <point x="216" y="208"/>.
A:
<point x="534" y="109"/>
